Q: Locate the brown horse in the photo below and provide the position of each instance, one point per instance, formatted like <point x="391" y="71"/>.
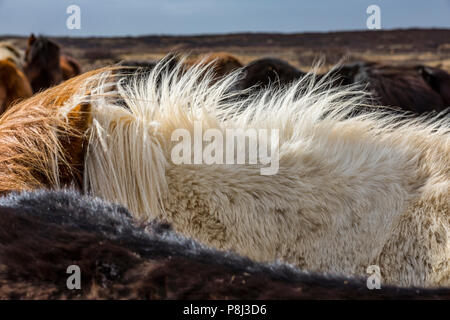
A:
<point x="69" y="66"/>
<point x="439" y="80"/>
<point x="14" y="85"/>
<point x="32" y="133"/>
<point x="222" y="63"/>
<point x="44" y="64"/>
<point x="417" y="89"/>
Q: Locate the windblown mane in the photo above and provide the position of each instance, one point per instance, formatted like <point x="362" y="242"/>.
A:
<point x="69" y="67"/>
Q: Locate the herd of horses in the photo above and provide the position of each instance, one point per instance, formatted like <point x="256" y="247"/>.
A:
<point x="86" y="179"/>
<point x="38" y="68"/>
<point x="418" y="89"/>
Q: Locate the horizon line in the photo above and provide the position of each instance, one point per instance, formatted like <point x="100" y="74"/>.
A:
<point x="224" y="34"/>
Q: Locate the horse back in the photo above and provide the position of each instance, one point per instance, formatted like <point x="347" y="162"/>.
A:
<point x="69" y="67"/>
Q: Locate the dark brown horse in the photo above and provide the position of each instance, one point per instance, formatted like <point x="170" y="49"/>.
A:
<point x="417" y="89"/>
<point x="44" y="64"/>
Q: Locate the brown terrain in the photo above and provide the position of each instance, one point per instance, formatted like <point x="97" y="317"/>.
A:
<point x="409" y="46"/>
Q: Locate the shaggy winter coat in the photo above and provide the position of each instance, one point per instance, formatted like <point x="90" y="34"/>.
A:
<point x="416" y="89"/>
<point x="350" y="191"/>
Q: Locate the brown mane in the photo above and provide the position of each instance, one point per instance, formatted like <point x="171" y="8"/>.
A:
<point x="439" y="80"/>
<point x="35" y="142"/>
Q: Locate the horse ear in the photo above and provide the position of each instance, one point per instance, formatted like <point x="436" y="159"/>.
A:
<point x="31" y="39"/>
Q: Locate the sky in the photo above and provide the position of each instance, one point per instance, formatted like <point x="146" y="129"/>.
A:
<point x="181" y="17"/>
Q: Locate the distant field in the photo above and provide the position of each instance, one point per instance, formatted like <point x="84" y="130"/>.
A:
<point x="412" y="46"/>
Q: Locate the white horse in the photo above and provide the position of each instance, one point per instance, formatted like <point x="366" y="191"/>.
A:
<point x="349" y="192"/>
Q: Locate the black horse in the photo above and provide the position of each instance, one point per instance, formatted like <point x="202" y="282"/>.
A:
<point x="43" y="233"/>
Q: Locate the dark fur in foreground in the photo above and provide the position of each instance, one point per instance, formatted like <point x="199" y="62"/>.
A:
<point x="42" y="233"/>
